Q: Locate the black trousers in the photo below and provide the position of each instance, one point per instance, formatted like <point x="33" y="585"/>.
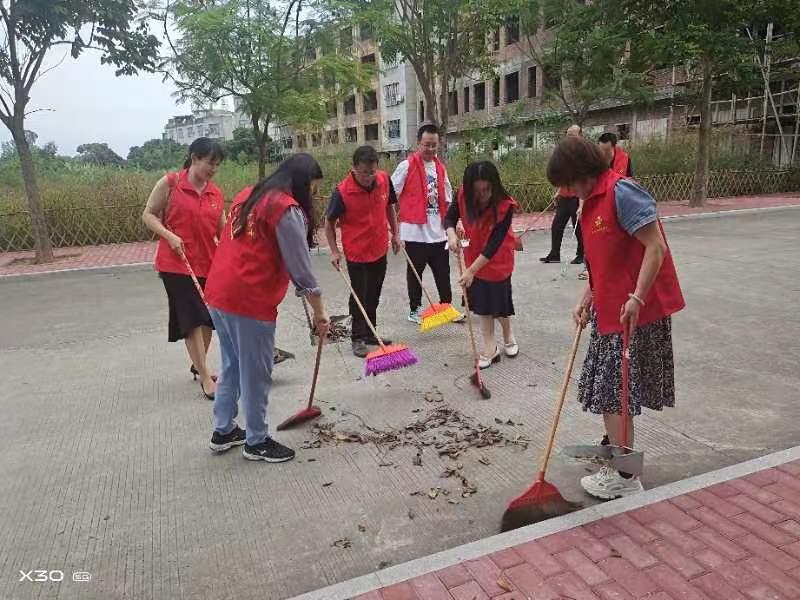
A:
<point x="367" y="280"/>
<point x="437" y="257"/>
<point x="566" y="211"/>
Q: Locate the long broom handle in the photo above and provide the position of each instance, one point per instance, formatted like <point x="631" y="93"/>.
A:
<point x="536" y="217"/>
<point x="361" y="306"/>
<point x="560" y="404"/>
<point x="194" y="278"/>
<point x="416" y="274"/>
<point x="466" y="305"/>
<point x="308" y="316"/>
<point x="624" y="390"/>
<point x="320" y="342"/>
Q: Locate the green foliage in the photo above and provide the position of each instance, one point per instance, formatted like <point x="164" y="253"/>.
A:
<point x="99" y="155"/>
<point x="157" y="155"/>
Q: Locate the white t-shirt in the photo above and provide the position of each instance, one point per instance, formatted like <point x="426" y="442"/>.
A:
<point x="431" y="232"/>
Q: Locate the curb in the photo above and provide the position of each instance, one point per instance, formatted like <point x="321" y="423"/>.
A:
<point x="373" y="581"/>
<point x="100" y="269"/>
<point x="326" y="251"/>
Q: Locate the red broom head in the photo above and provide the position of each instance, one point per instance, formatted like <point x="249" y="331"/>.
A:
<point x="307" y="414"/>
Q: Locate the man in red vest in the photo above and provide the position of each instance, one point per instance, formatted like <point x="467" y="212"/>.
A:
<point x="618" y="159"/>
<point x="424" y="192"/>
<point x="362" y="204"/>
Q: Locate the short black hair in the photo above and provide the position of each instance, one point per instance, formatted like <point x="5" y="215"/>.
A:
<point x="608" y="138"/>
<point x="427" y="128"/>
<point x="575" y="159"/>
<point x="364" y="155"/>
<point x="204" y="147"/>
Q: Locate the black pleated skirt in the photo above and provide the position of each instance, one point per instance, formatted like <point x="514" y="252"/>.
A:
<point x="187" y="310"/>
<point x="491" y="298"/>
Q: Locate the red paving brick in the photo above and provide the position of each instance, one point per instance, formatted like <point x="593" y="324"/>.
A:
<point x="734" y="541"/>
<point x="142" y="252"/>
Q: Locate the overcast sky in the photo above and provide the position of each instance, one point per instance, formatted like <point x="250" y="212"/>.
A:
<point x="90" y="104"/>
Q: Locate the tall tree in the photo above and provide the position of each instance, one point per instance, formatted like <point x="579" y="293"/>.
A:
<point x="262" y="54"/>
<point x="30" y="30"/>
<point x="157" y="154"/>
<point x="710" y="38"/>
<point x="100" y="155"/>
<point x="581" y="49"/>
<point x="442" y="40"/>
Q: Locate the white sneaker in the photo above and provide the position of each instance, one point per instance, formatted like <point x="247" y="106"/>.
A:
<point x="608" y="484"/>
<point x="460" y="318"/>
<point x="414" y="317"/>
<point x="511" y="350"/>
<point x="485" y="363"/>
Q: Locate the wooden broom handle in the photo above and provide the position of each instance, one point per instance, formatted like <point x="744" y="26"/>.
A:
<point x="562" y="394"/>
<point x="536" y="217"/>
<point x="416" y="274"/>
<point x="194" y="278"/>
<point x="466" y="306"/>
<point x="361" y="306"/>
<point x="320" y="342"/>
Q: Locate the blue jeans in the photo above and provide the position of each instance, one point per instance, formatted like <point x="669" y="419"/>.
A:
<point x="246" y="348"/>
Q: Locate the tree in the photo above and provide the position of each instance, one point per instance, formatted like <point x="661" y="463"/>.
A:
<point x="99" y="155"/>
<point x="581" y="50"/>
<point x="31" y="29"/>
<point x="262" y="54"/>
<point x="443" y="40"/>
<point x="243" y="146"/>
<point x="157" y="155"/>
<point x="711" y="39"/>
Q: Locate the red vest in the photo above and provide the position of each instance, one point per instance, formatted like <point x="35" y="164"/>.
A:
<point x="615" y="257"/>
<point x="501" y="265"/>
<point x="365" y="226"/>
<point x="414" y="197"/>
<point x="248" y="277"/>
<point x="195" y="219"/>
<point x="620" y="162"/>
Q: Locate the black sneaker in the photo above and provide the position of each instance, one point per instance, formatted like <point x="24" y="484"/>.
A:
<point x="550" y="259"/>
<point x="269" y="450"/>
<point x="222" y="442"/>
<point x="605" y="441"/>
<point x="371" y="340"/>
<point x="578" y="260"/>
<point x="360" y="348"/>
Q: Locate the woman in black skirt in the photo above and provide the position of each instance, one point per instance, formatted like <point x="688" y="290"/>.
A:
<point x="186" y="210"/>
<point x="631" y="294"/>
<point x="485" y="210"/>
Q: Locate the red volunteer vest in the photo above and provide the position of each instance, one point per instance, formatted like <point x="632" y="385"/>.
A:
<point x="614" y="259"/>
<point x="620" y="162"/>
<point x="249" y="277"/>
<point x="414" y="197"/>
<point x="194" y="218"/>
<point x="501" y="265"/>
<point x="365" y="226"/>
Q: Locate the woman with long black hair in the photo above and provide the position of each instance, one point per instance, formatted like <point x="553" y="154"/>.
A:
<point x="485" y="210"/>
<point x="186" y="210"/>
<point x="264" y="245"/>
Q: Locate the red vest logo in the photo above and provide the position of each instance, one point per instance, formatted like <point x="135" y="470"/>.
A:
<point x="599" y="225"/>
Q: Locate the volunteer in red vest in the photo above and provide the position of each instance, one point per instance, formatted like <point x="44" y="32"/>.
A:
<point x="566" y="204"/>
<point x="632" y="287"/>
<point x="264" y="246"/>
<point x="618" y="159"/>
<point x="485" y="210"/>
<point x="363" y="205"/>
<point x="186" y="210"/>
<point x="424" y="191"/>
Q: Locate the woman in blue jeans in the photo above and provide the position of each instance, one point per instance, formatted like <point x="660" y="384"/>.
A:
<point x="264" y="245"/>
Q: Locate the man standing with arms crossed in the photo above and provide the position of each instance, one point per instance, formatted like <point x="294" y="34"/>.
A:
<point x="424" y="192"/>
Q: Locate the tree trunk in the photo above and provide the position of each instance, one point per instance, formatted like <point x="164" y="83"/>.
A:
<point x="704" y="140"/>
<point x="41" y="236"/>
<point x="261" y="145"/>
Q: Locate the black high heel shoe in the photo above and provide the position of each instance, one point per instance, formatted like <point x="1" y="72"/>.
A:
<point x="205" y="393"/>
<point x="195" y="373"/>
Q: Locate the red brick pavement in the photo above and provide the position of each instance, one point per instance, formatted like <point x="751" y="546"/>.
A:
<point x="738" y="540"/>
<point x="88" y="257"/>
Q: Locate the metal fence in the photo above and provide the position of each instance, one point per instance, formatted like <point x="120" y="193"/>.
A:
<point x="93" y="224"/>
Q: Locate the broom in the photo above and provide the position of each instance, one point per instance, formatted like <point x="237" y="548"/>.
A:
<point x="518" y="238"/>
<point x="309" y="412"/>
<point x="475" y="379"/>
<point x="543" y="500"/>
<point x="385" y="358"/>
<point x="435" y="315"/>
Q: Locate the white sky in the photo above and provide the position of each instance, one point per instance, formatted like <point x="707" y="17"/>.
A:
<point x="90" y="104"/>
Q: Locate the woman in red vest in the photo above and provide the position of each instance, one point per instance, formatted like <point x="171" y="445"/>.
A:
<point x="632" y="291"/>
<point x="186" y="210"/>
<point x="264" y="246"/>
<point x="486" y="210"/>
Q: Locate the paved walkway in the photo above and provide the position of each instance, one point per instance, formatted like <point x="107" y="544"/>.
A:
<point x="735" y="539"/>
<point x="89" y="257"/>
